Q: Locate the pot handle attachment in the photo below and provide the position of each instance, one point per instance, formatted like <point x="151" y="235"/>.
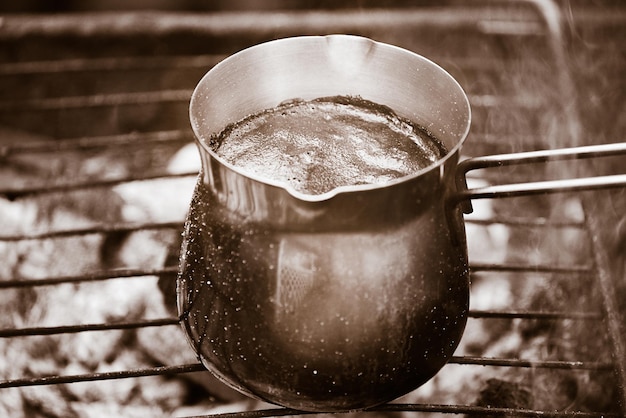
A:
<point x="463" y="195"/>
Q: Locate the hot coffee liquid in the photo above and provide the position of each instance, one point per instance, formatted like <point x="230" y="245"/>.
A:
<point x="316" y="146"/>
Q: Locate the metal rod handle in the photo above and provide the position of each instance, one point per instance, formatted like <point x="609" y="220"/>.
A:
<point x="464" y="195"/>
<point x="542" y="187"/>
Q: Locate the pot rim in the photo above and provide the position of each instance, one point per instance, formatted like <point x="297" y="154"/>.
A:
<point x="202" y="141"/>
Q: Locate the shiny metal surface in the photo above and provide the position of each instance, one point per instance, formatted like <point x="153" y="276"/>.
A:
<point x="464" y="195"/>
<point x="329" y="302"/>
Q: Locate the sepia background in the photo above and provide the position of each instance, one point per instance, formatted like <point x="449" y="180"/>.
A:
<point x="98" y="166"/>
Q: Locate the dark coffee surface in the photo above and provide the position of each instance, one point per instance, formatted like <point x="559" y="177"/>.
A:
<point x="316" y="146"/>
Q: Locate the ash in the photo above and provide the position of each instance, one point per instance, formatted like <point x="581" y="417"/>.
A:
<point x="107" y="301"/>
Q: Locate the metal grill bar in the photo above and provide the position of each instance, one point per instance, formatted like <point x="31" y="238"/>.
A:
<point x="100" y="229"/>
<point x="186" y="368"/>
<point x="183" y="137"/>
<point x="182" y="96"/>
<point x="519" y="268"/>
<point x="569" y="365"/>
<point x="88" y="377"/>
<point x="490" y="411"/>
<point x="535" y="315"/>
<point x="67" y="329"/>
<point x="607" y="288"/>
<point x="111" y="141"/>
<point x="90" y="277"/>
<point x="110" y="64"/>
<point x="99" y="100"/>
<point x="128" y="273"/>
<point x="242" y="23"/>
<point x="13" y="194"/>
<point x="527" y="222"/>
<point x="445" y="409"/>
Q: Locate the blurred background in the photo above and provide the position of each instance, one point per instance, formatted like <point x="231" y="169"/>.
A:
<point x="206" y="5"/>
<point x="38" y="6"/>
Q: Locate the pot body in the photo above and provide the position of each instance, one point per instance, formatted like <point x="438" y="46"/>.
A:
<point x="331" y="302"/>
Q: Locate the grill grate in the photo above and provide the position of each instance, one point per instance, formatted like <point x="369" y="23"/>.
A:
<point x="115" y="97"/>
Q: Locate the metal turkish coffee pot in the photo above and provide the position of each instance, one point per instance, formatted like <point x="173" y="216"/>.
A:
<point x="330" y="302"/>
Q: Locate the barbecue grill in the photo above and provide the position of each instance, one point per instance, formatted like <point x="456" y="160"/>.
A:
<point x="94" y="122"/>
